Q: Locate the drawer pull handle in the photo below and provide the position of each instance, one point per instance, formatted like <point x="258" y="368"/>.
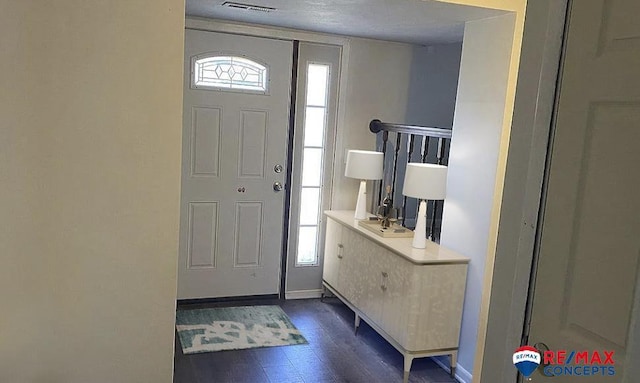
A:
<point x="383" y="286"/>
<point x="340" y="247"/>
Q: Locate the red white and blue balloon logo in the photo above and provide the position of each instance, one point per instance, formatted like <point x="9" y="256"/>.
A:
<point x="526" y="359"/>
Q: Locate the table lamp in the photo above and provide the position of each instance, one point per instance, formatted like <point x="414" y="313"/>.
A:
<point x="425" y="182"/>
<point x="363" y="165"/>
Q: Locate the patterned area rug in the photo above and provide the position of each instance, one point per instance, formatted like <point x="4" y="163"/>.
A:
<point x="235" y="328"/>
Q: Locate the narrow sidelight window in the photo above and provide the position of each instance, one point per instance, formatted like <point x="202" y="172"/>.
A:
<point x="315" y="126"/>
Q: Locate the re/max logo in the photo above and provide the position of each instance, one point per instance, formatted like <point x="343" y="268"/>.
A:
<point x="581" y="357"/>
<point x="578" y="363"/>
<point x="528" y="356"/>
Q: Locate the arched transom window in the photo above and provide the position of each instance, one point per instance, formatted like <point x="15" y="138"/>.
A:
<point x="230" y="72"/>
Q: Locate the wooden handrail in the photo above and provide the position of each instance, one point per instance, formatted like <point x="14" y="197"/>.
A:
<point x="376" y="126"/>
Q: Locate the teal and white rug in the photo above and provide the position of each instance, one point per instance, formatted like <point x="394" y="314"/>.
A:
<point x="235" y="328"/>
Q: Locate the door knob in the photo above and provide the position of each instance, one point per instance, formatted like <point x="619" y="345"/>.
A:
<point x="541" y="347"/>
<point x="277" y="186"/>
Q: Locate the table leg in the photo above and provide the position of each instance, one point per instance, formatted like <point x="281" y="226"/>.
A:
<point x="454" y="363"/>
<point x="408" y="360"/>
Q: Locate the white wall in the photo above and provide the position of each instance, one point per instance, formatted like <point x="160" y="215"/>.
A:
<point x="90" y="132"/>
<point x="377" y="84"/>
<point x="474" y="160"/>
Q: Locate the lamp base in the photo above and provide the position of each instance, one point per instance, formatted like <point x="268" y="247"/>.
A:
<point x="361" y="204"/>
<point x="419" y="237"/>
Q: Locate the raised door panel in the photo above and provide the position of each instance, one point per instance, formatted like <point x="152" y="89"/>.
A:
<point x="247" y="250"/>
<point x="205" y="141"/>
<point x="252" y="144"/>
<point x="332" y="253"/>
<point x="203" y="230"/>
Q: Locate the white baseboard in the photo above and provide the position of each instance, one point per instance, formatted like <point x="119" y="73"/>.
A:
<point x="462" y="375"/>
<point x="303" y="294"/>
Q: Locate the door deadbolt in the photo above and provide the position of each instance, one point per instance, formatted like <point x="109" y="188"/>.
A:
<point x="278" y="168"/>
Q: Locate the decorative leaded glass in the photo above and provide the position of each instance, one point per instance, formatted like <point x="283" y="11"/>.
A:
<point x="231" y="72"/>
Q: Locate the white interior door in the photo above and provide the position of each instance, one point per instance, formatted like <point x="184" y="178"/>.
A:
<point x="586" y="292"/>
<point x="235" y="127"/>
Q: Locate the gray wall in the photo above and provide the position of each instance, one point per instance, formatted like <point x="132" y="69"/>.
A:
<point x="433" y="84"/>
<point x="431" y="102"/>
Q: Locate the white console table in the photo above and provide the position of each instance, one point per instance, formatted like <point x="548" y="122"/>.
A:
<point x="411" y="297"/>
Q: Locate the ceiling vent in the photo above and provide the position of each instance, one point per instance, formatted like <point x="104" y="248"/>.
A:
<point x="247" y="7"/>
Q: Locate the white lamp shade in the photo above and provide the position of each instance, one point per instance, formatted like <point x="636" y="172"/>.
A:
<point x="425" y="181"/>
<point x="364" y="165"/>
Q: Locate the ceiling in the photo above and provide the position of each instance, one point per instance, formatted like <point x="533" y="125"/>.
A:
<point x="411" y="21"/>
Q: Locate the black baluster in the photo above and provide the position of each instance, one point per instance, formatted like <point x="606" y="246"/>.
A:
<point x="385" y="138"/>
<point x="440" y="155"/>
<point x="442" y="142"/>
<point x="425" y="149"/>
<point x="410" y="146"/>
<point x="395" y="165"/>
<point x="432" y="229"/>
<point x="425" y="153"/>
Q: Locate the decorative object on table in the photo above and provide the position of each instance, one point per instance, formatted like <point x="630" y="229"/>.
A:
<point x="394" y="230"/>
<point x="386" y="213"/>
<point x="363" y="165"/>
<point x="235" y="328"/>
<point x="425" y="182"/>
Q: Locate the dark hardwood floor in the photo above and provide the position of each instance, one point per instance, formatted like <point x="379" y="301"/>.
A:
<point x="334" y="354"/>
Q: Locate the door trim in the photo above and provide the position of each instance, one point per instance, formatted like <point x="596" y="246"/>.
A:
<point x="518" y="222"/>
<point x="545" y="185"/>
<point x="284" y="256"/>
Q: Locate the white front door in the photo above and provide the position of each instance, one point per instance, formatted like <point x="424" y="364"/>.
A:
<point x="235" y="139"/>
<point x="586" y="292"/>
